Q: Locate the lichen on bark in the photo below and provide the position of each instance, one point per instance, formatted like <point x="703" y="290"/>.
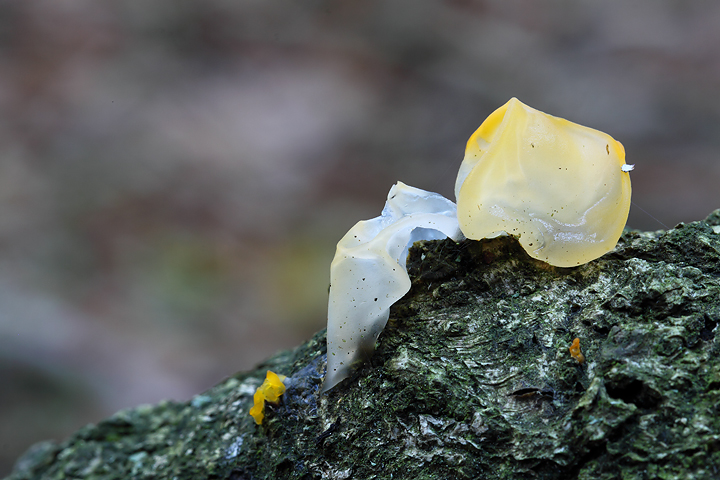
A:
<point x="472" y="378"/>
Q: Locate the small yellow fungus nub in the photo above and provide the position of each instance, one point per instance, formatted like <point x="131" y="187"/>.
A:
<point x="562" y="189"/>
<point x="270" y="390"/>
<point x="575" y="351"/>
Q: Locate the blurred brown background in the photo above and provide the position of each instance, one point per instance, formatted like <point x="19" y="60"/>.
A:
<point x="174" y="174"/>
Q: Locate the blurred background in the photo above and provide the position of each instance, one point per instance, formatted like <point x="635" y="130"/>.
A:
<point x="174" y="174"/>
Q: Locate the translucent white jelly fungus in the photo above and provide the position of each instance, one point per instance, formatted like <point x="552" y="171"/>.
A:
<point x="561" y="188"/>
<point x="368" y="272"/>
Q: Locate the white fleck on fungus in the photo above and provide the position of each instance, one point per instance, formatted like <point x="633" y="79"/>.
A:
<point x="553" y="184"/>
<point x="368" y="272"/>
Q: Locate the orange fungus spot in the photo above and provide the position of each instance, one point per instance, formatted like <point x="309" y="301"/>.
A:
<point x="575" y="351"/>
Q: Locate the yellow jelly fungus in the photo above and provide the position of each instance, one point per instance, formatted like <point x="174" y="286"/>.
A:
<point x="562" y="189"/>
<point x="575" y="351"/>
<point x="270" y="390"/>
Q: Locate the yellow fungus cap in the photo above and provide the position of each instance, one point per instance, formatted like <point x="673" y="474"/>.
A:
<point x="270" y="390"/>
<point x="557" y="186"/>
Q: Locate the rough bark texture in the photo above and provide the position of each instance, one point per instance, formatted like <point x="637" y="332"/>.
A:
<point x="472" y="378"/>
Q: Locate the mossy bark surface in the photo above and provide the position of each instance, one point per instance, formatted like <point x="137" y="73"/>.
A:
<point x="472" y="378"/>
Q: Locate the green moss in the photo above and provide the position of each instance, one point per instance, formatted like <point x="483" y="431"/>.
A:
<point x="472" y="378"/>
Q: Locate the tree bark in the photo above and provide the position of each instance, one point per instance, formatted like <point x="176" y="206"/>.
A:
<point x="472" y="378"/>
